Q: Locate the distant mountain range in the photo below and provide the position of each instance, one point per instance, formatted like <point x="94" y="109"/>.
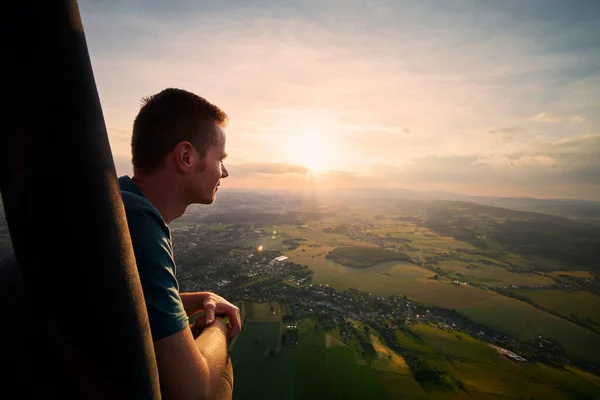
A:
<point x="570" y="208"/>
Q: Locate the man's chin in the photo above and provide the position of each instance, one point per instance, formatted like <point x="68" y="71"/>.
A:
<point x="206" y="200"/>
<point x="211" y="199"/>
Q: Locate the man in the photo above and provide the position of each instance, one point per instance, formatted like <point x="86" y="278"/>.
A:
<point x="178" y="148"/>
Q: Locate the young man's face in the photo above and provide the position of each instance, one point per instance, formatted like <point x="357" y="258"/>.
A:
<point x="210" y="170"/>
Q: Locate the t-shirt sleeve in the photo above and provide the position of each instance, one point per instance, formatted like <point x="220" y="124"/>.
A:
<point x="156" y="267"/>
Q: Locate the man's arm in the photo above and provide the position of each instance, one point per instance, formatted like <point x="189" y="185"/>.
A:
<point x="212" y="304"/>
<point x="187" y="369"/>
<point x="191" y="369"/>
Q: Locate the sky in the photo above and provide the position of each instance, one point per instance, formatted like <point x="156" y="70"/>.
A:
<point x="469" y="97"/>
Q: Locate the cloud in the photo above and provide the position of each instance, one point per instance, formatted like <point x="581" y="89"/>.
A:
<point x="567" y="168"/>
<point x="546" y="117"/>
<point x="329" y="180"/>
<point x="240" y="168"/>
<point x="525" y="160"/>
<point x="236" y="167"/>
<point x="376" y="139"/>
<point x="549" y="117"/>
<point x="503" y="131"/>
<point x="576" y="119"/>
<point x="504" y="134"/>
<point x="384" y="70"/>
<point x="389" y="130"/>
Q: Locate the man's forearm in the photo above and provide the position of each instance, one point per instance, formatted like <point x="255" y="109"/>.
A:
<point x="212" y="344"/>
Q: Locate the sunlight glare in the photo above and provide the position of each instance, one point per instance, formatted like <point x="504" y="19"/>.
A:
<point x="312" y="146"/>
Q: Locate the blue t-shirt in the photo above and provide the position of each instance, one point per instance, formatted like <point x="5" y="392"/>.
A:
<point x="151" y="240"/>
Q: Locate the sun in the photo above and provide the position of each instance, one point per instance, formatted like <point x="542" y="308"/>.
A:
<point x="313" y="150"/>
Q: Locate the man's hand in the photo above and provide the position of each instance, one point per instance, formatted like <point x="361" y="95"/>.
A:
<point x="198" y="326"/>
<point x="216" y="305"/>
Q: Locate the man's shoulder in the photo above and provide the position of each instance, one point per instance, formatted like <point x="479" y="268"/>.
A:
<point x="134" y="202"/>
<point x="137" y="207"/>
<point x="132" y="196"/>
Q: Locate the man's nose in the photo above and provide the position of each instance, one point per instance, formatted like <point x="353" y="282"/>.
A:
<point x="224" y="172"/>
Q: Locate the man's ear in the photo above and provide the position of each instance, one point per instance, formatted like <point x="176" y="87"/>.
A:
<point x="184" y="156"/>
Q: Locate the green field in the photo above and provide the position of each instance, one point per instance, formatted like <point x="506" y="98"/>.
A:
<point x="317" y="235"/>
<point x="484" y="373"/>
<point x="389" y="278"/>
<point x="331" y="373"/>
<point x="525" y="321"/>
<point x="364" y="257"/>
<point x="493" y="275"/>
<point x="501" y="257"/>
<point x="422" y="238"/>
<point x="388" y="360"/>
<point x="448" y="295"/>
<point x="313" y="376"/>
<point x="386" y="279"/>
<point x="316" y="370"/>
<point x="353" y="381"/>
<point x="258" y="375"/>
<point x="576" y="274"/>
<point x="262" y="312"/>
<point x="575" y="304"/>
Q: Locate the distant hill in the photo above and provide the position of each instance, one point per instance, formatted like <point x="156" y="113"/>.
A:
<point x="548" y="237"/>
<point x="574" y="209"/>
<point x="570" y="208"/>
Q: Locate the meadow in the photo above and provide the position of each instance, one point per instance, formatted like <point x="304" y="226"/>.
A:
<point x="386" y="279"/>
<point x="575" y="274"/>
<point x="262" y="312"/>
<point x="257" y="374"/>
<point x="493" y="275"/>
<point x="322" y="366"/>
<point x="388" y="360"/>
<point x="525" y="321"/>
<point x="420" y="237"/>
<point x="482" y="371"/>
<point x="316" y="234"/>
<point x="575" y="304"/>
<point x="331" y="373"/>
<point x="364" y="257"/>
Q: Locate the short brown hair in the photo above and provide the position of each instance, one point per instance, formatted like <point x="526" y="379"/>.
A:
<point x="170" y="117"/>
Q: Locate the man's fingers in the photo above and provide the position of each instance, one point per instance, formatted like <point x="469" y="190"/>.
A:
<point x="209" y="310"/>
<point x="233" y="332"/>
<point x="216" y="305"/>
<point x="236" y="323"/>
<point x="200" y="322"/>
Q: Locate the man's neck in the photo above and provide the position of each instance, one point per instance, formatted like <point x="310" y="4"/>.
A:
<point x="163" y="193"/>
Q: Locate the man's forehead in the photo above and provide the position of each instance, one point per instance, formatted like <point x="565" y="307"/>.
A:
<point x="221" y="140"/>
<point x="221" y="133"/>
